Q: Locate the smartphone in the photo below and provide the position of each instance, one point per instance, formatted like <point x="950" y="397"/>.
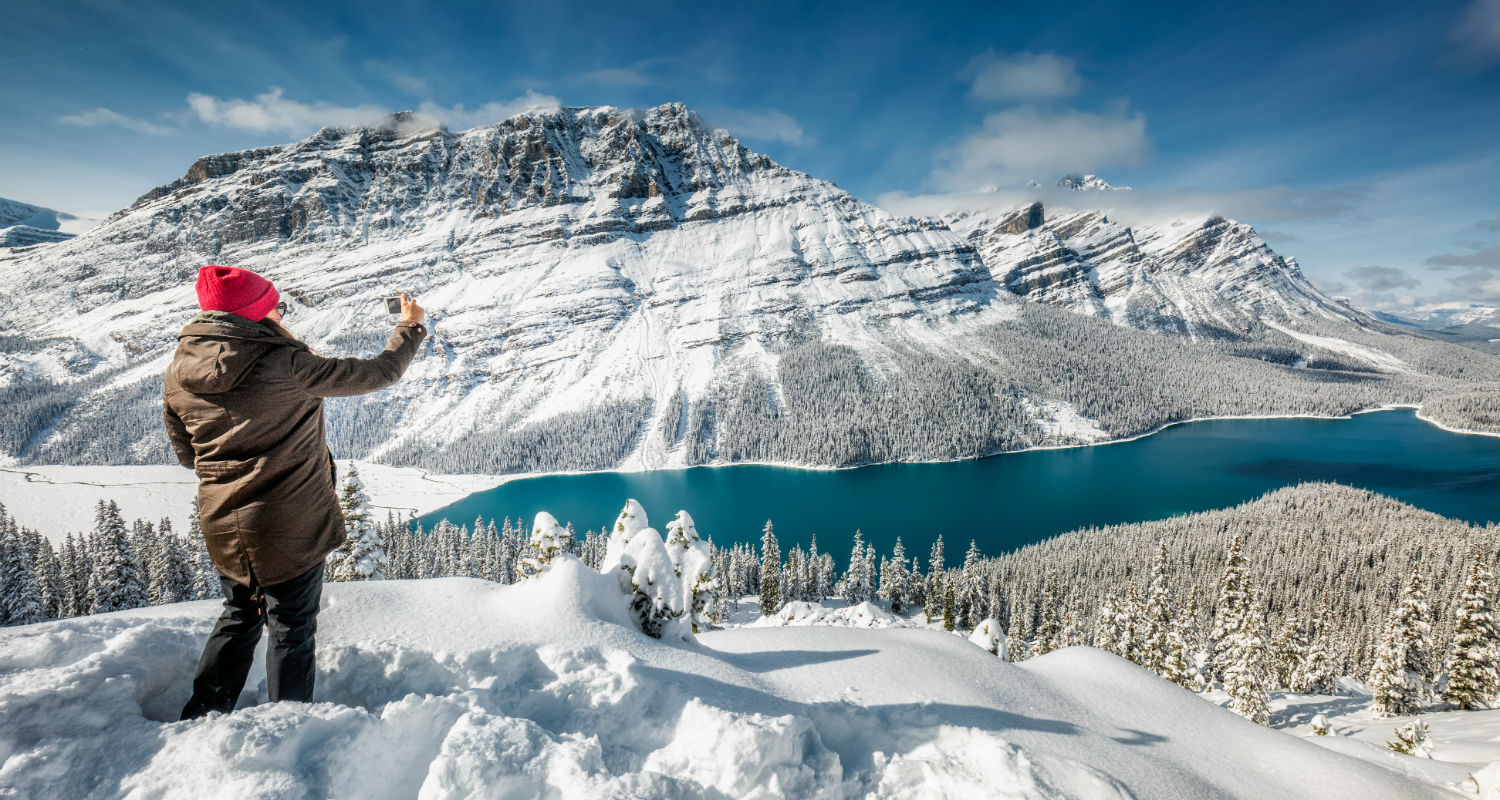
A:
<point x="393" y="304"/>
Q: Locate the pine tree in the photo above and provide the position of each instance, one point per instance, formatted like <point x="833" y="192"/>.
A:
<point x="20" y="595"/>
<point x="1015" y="640"/>
<point x="1229" y="609"/>
<point x="971" y="588"/>
<point x="1474" y="663"/>
<point x="1106" y="633"/>
<point x="1159" y="620"/>
<point x="206" y="584"/>
<point x="48" y="571"/>
<point x="1246" y="673"/>
<point x="858" y="584"/>
<point x="1131" y="613"/>
<point x="171" y="573"/>
<point x="948" y="605"/>
<point x="115" y="582"/>
<point x="362" y="556"/>
<point x="770" y="571"/>
<point x="1402" y="676"/>
<point x="933" y="609"/>
<point x="1049" y="626"/>
<point x="1314" y="675"/>
<point x="546" y="544"/>
<point x="893" y="579"/>
<point x="1286" y="652"/>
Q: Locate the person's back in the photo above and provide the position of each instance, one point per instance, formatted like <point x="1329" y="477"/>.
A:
<point x="243" y="407"/>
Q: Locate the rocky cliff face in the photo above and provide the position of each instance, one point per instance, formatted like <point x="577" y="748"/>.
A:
<point x="1199" y="277"/>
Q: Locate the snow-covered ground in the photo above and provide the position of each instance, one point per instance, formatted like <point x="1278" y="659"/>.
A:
<point x="457" y="687"/>
<point x="54" y="500"/>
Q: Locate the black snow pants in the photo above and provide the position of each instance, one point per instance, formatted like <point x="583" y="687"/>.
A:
<point x="290" y="611"/>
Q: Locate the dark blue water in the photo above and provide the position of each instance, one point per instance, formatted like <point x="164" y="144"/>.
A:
<point x="1007" y="501"/>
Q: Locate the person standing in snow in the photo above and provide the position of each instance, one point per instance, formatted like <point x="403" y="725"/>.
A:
<point x="243" y="406"/>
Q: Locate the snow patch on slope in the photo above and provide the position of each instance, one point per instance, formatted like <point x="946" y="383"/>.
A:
<point x="1378" y="358"/>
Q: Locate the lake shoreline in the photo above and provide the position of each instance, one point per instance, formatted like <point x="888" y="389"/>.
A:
<point x="505" y="478"/>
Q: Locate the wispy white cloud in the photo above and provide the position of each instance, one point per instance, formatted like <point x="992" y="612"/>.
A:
<point x="271" y="112"/>
<point x="1028" y="142"/>
<point x="1478" y="255"/>
<point x="457" y="117"/>
<point x="1023" y="76"/>
<point x="760" y="124"/>
<point x="1477" y="33"/>
<point x="104" y="116"/>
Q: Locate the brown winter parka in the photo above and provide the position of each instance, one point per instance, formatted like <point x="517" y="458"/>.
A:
<point x="243" y="405"/>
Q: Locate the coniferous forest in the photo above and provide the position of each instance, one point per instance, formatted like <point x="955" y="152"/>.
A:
<point x="1290" y="591"/>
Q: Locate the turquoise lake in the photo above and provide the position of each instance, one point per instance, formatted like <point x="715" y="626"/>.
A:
<point x="1010" y="500"/>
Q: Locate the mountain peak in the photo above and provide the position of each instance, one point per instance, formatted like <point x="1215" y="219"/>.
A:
<point x="1087" y="183"/>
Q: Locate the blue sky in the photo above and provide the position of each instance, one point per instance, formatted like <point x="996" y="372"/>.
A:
<point x="1361" y="138"/>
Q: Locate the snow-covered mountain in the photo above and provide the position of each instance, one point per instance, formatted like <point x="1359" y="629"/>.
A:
<point x="1197" y="277"/>
<point x="23" y="224"/>
<point x="634" y="289"/>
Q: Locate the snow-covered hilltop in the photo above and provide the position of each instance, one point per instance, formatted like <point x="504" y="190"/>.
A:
<point x="633" y="289"/>
<point x="457" y="687"/>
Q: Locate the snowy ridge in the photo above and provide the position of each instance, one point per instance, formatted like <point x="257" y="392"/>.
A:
<point x="449" y="687"/>
<point x="1208" y="277"/>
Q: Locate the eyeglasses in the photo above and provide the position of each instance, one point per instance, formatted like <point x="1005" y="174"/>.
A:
<point x="283" y="308"/>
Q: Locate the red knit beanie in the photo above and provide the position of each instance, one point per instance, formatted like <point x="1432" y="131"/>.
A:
<point x="235" y="290"/>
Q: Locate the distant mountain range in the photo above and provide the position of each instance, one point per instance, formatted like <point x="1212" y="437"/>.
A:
<point x="633" y="289"/>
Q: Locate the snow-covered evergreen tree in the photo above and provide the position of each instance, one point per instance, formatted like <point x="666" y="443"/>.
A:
<point x="1246" y="671"/>
<point x="1106" y="632"/>
<point x="205" y="574"/>
<point x="1287" y="649"/>
<point x="637" y="554"/>
<point x="20" y="594"/>
<point x="693" y="559"/>
<point x="115" y="582"/>
<point x="948" y="616"/>
<point x="858" y="585"/>
<point x="172" y="570"/>
<point x="1131" y="613"/>
<point x="972" y="587"/>
<point x="1474" y="662"/>
<point x="1314" y="674"/>
<point x="1159" y="616"/>
<point x="1049" y="625"/>
<point x="893" y="580"/>
<point x="1402" y="676"/>
<point x="1228" y="611"/>
<point x="933" y="607"/>
<point x="546" y="544"/>
<point x="770" y="571"/>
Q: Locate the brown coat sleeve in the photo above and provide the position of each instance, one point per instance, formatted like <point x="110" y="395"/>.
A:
<point x="339" y="377"/>
<point x="178" y="434"/>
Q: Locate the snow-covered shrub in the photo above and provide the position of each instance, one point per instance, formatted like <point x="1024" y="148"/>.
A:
<point x="1320" y="725"/>
<point x="987" y="635"/>
<point x="639" y="557"/>
<point x="1411" y="739"/>
<point x="547" y="543"/>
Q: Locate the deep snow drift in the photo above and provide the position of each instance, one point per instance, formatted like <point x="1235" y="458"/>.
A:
<point x="457" y="687"/>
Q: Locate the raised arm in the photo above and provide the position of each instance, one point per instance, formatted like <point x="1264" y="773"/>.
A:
<point x="339" y="377"/>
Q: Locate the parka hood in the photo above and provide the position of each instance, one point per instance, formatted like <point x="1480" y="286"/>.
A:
<point x="217" y="349"/>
